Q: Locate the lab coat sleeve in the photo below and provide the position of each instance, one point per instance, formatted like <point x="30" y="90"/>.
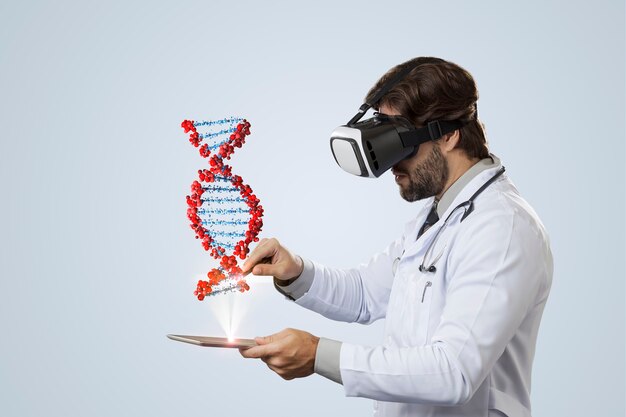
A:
<point x="495" y="271"/>
<point x="354" y="295"/>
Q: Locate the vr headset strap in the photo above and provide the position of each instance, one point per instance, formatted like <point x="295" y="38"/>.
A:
<point x="383" y="90"/>
<point x="390" y="84"/>
<point x="432" y="131"/>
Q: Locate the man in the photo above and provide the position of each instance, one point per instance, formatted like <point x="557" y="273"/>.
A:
<point x="462" y="291"/>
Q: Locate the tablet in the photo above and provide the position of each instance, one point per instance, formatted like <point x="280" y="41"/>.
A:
<point x="208" y="341"/>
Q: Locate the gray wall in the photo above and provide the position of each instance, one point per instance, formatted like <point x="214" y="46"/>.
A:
<point x="97" y="262"/>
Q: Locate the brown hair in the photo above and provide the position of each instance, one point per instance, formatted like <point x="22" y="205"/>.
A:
<point x="436" y="89"/>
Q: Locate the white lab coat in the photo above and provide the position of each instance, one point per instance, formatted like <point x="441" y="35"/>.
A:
<point x="460" y="341"/>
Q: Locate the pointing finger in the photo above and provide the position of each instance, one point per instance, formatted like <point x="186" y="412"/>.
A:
<point x="249" y="271"/>
<point x="262" y="251"/>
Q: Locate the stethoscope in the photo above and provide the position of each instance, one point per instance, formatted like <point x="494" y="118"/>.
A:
<point x="468" y="206"/>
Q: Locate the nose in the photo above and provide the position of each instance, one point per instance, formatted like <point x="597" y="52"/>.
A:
<point x="396" y="169"/>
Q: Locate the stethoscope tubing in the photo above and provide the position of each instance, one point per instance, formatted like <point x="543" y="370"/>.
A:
<point x="469" y="208"/>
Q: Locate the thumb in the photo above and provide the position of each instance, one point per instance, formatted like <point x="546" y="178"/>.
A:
<point x="264" y="340"/>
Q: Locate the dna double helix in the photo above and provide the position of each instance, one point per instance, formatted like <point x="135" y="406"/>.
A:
<point x="225" y="213"/>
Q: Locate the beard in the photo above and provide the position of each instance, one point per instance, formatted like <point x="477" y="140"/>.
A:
<point x="428" y="178"/>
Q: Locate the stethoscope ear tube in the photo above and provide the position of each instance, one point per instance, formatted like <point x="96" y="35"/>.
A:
<point x="468" y="211"/>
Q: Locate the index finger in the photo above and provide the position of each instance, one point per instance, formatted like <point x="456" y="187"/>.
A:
<point x="265" y="249"/>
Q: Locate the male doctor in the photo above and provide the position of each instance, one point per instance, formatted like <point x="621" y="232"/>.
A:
<point x="462" y="290"/>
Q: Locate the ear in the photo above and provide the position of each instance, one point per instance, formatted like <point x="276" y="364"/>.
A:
<point x="450" y="140"/>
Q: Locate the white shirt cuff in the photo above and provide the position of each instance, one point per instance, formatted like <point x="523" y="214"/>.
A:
<point x="327" y="359"/>
<point x="301" y="285"/>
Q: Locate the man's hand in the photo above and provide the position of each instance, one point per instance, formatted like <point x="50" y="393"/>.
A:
<point x="290" y="353"/>
<point x="269" y="258"/>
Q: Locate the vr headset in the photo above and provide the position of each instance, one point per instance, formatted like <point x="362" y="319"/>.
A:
<point x="370" y="147"/>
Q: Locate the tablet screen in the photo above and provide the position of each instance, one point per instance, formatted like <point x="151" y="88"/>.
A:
<point x="209" y="341"/>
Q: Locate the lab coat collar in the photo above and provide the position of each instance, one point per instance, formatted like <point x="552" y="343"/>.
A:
<point x="473" y="185"/>
<point x="454" y="190"/>
<point x="468" y="190"/>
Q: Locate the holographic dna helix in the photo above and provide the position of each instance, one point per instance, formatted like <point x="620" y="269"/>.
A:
<point x="224" y="212"/>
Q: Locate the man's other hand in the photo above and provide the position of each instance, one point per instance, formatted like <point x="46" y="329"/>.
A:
<point x="290" y="353"/>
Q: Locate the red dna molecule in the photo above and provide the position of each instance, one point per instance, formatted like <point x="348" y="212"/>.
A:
<point x="225" y="213"/>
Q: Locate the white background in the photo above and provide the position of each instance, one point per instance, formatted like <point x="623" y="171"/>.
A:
<point x="97" y="262"/>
